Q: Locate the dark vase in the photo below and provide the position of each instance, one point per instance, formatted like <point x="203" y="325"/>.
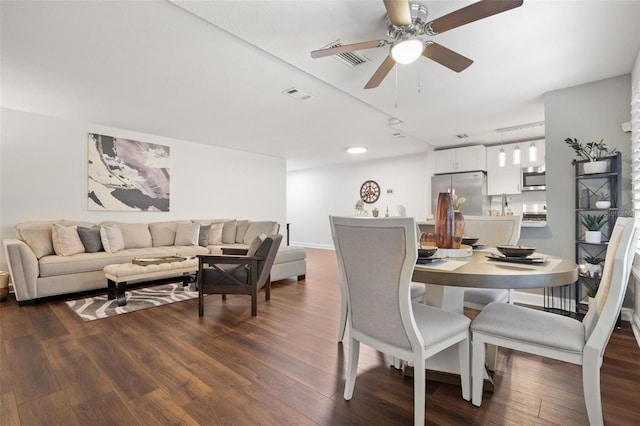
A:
<point x="458" y="220"/>
<point x="445" y="222"/>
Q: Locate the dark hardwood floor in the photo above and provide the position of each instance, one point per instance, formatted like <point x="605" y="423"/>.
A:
<point x="168" y="366"/>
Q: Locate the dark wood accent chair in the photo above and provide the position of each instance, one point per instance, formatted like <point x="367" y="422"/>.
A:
<point x="235" y="274"/>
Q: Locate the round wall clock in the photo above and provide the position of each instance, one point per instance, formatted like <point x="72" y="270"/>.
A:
<point x="370" y="191"/>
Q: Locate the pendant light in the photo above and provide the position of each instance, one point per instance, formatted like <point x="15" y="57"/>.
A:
<point x="502" y="158"/>
<point x="533" y="152"/>
<point x="516" y="155"/>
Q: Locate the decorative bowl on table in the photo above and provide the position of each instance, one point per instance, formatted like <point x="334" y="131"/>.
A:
<point x="469" y="241"/>
<point x="427" y="251"/>
<point x="516" y="251"/>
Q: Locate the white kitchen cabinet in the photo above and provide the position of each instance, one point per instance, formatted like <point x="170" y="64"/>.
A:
<point x="502" y="180"/>
<point x="464" y="159"/>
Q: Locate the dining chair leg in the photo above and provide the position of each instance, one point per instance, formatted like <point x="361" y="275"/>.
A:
<point x="352" y="368"/>
<point x="491" y="357"/>
<point x="477" y="368"/>
<point x="419" y="390"/>
<point x="591" y="388"/>
<point x="465" y="366"/>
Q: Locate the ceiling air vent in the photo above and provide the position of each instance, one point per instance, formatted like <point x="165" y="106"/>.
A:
<point x="350" y="58"/>
<point x="297" y="93"/>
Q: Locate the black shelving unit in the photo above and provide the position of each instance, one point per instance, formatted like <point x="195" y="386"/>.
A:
<point x="588" y="189"/>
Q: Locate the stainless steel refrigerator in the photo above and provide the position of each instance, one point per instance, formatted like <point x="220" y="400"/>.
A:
<point x="470" y="185"/>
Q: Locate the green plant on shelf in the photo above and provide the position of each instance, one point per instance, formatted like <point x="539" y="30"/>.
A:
<point x="594" y="222"/>
<point x="592" y="151"/>
<point x="593" y="260"/>
<point x="603" y="196"/>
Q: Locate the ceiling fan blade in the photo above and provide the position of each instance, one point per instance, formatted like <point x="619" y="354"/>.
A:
<point x="446" y="57"/>
<point x="471" y="13"/>
<point x="347" y="48"/>
<point x="398" y="12"/>
<point x="380" y="73"/>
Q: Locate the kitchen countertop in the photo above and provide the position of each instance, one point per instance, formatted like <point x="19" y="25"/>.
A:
<point x="524" y="223"/>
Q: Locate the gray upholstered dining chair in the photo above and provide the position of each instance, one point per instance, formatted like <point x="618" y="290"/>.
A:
<point x="376" y="260"/>
<point x="493" y="231"/>
<point x="560" y="337"/>
<point x="231" y="274"/>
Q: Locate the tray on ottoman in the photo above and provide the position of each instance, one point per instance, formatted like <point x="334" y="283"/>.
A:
<point x="157" y="260"/>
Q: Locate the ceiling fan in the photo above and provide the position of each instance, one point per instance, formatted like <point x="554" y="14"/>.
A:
<point x="407" y="24"/>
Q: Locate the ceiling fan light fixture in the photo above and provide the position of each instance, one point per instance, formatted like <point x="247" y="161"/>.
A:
<point x="357" y="150"/>
<point x="407" y="50"/>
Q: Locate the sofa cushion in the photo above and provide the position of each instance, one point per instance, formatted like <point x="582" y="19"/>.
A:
<point x="37" y="235"/>
<point x="136" y="235"/>
<point x="66" y="240"/>
<point x="229" y="232"/>
<point x="256" y="228"/>
<point x="163" y="233"/>
<point x="90" y="238"/>
<point x="187" y="234"/>
<point x="241" y="230"/>
<point x="89" y="262"/>
<point x="112" y="238"/>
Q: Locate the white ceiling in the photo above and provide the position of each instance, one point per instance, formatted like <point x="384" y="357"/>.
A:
<point x="213" y="72"/>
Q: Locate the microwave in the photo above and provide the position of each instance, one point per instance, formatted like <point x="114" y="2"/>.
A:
<point x="533" y="179"/>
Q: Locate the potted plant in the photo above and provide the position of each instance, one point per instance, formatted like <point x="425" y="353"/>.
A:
<point x="593" y="223"/>
<point x="603" y="200"/>
<point x="593" y="153"/>
<point x="359" y="207"/>
<point x="375" y="212"/>
<point x="593" y="266"/>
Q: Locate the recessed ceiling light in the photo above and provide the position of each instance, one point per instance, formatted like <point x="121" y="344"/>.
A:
<point x="357" y="150"/>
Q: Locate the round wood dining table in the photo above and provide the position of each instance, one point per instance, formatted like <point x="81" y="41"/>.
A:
<point x="449" y="277"/>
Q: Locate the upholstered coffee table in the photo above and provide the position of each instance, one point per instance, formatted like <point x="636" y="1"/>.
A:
<point x="143" y="270"/>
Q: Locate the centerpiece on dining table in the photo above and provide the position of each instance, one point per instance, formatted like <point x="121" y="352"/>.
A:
<point x="449" y="227"/>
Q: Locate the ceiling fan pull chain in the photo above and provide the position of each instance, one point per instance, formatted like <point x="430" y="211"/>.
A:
<point x="419" y="79"/>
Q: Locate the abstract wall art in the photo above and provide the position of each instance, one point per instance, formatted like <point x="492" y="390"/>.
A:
<point x="127" y="175"/>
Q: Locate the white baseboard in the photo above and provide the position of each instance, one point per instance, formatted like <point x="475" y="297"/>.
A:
<point x="635" y="326"/>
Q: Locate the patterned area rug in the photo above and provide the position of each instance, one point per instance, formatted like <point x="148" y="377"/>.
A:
<point x="98" y="307"/>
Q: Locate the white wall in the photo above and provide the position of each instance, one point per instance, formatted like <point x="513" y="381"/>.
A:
<point x="43" y="176"/>
<point x="314" y="194"/>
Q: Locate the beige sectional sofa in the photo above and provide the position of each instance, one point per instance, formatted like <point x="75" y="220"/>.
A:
<point x="59" y="257"/>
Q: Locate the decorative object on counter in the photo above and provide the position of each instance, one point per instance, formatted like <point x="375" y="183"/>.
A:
<point x="458" y="202"/>
<point x="603" y="200"/>
<point x="445" y="223"/>
<point x="427" y="239"/>
<point x="375" y="212"/>
<point x="593" y="223"/>
<point x="593" y="153"/>
<point x="4" y="285"/>
<point x="360" y="207"/>
<point x="386" y="214"/>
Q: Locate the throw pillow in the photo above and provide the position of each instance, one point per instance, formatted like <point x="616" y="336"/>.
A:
<point x="66" y="240"/>
<point x="135" y="235"/>
<point x="229" y="232"/>
<point x="112" y="238"/>
<point x="90" y="238"/>
<point x="241" y="229"/>
<point x="215" y="235"/>
<point x="255" y="244"/>
<point x="257" y="228"/>
<point x="203" y="237"/>
<point x="37" y="235"/>
<point x="187" y="234"/>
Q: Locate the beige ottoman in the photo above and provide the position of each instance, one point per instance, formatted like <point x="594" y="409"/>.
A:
<point x="290" y="261"/>
<point x="118" y="275"/>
